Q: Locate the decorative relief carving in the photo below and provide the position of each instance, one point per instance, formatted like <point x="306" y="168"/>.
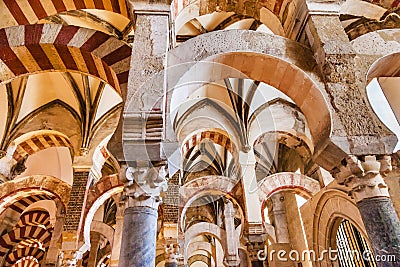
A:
<point x="144" y="185"/>
<point x="364" y="177"/>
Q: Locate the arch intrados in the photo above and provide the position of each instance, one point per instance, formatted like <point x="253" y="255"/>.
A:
<point x="9" y="200"/>
<point x="282" y="75"/>
<point x="208" y="192"/>
<point x="197" y="230"/>
<point x="89" y="216"/>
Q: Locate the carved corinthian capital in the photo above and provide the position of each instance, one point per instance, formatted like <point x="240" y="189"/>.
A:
<point x="144" y="185"/>
<point x="364" y="178"/>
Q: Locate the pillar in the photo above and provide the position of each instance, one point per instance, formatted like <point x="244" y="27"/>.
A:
<point x="143" y="186"/>
<point x="232" y="240"/>
<point x="253" y="205"/>
<point x="94" y="247"/>
<point x="52" y="253"/>
<point x="277" y="214"/>
<point x="119" y="223"/>
<point x="364" y="179"/>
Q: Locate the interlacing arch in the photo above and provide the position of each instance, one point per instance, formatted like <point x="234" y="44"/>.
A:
<point x="30" y="12"/>
<point x="52" y="47"/>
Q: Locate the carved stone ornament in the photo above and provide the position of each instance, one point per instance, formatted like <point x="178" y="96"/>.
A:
<point x="364" y="178"/>
<point x="144" y="185"/>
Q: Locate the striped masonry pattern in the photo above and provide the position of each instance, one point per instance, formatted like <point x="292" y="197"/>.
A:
<point x="40" y="142"/>
<point x="305" y="185"/>
<point x="216" y="137"/>
<point x="27" y="262"/>
<point x="48" y="47"/>
<point x="10" y="239"/>
<point x="24" y="12"/>
<point x="23" y="202"/>
<point x="104" y="185"/>
<point x="36" y="217"/>
<point x="21" y="253"/>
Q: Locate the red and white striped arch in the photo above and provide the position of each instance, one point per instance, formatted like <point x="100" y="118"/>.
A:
<point x="9" y="240"/>
<point x="305" y="185"/>
<point x="19" y="194"/>
<point x="21" y="253"/>
<point x="51" y="47"/>
<point x="24" y="12"/>
<point x="217" y="137"/>
<point x="33" y="142"/>
<point x="35" y="217"/>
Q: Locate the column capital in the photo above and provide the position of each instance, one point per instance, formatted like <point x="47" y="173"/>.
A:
<point x="364" y="177"/>
<point x="144" y="185"/>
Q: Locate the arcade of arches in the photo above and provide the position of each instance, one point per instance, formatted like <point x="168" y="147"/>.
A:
<point x="199" y="133"/>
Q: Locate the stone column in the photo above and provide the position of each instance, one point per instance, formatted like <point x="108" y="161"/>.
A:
<point x="116" y="246"/>
<point x="364" y="178"/>
<point x="171" y="257"/>
<point x="52" y="253"/>
<point x="277" y="214"/>
<point x="143" y="186"/>
<point x="232" y="240"/>
<point x="94" y="247"/>
<point x="253" y="205"/>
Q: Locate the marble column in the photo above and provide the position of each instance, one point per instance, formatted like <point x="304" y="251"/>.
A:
<point x="139" y="237"/>
<point x="143" y="186"/>
<point x="369" y="190"/>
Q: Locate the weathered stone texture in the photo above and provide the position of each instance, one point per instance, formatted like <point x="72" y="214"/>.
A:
<point x="383" y="227"/>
